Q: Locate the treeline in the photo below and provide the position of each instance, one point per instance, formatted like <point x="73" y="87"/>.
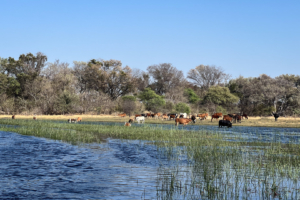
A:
<point x="33" y="85"/>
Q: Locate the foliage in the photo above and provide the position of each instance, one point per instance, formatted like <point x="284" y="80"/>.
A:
<point x="183" y="108"/>
<point x="129" y="98"/>
<point x="191" y="95"/>
<point x="151" y="100"/>
<point x="220" y="96"/>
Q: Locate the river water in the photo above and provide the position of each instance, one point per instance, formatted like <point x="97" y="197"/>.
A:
<point x="37" y="168"/>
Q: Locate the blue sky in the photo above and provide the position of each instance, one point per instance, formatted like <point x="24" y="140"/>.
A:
<point x="245" y="38"/>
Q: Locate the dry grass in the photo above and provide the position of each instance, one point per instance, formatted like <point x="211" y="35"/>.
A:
<point x="252" y="121"/>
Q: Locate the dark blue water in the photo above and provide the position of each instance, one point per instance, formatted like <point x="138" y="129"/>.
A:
<point x="36" y="168"/>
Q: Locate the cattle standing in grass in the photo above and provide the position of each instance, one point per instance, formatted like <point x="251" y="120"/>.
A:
<point x="182" y="121"/>
<point x="193" y="118"/>
<point x="138" y="115"/>
<point x="13" y="117"/>
<point x="224" y="123"/>
<point x="130" y="121"/>
<point x="79" y="119"/>
<point x="173" y="116"/>
<point x="140" y="119"/>
<point x="216" y="116"/>
<point x="202" y="116"/>
<point x="182" y="115"/>
<point x="237" y="118"/>
<point x="227" y="118"/>
<point x="276" y="115"/>
<point x="165" y="117"/>
<point x="72" y="120"/>
<point x="148" y="114"/>
<point x="122" y="115"/>
<point x="34" y="118"/>
<point x="244" y="115"/>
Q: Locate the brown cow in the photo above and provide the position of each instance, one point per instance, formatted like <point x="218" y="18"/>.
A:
<point x="173" y="116"/>
<point x="13" y="117"/>
<point x="79" y="119"/>
<point x="183" y="121"/>
<point x="130" y="121"/>
<point x="122" y="115"/>
<point x="244" y="115"/>
<point x="148" y="114"/>
<point x="227" y="118"/>
<point x="138" y="115"/>
<point x="237" y="118"/>
<point x="127" y="124"/>
<point x="34" y="118"/>
<point x="202" y="116"/>
<point x="165" y="117"/>
<point x="216" y="116"/>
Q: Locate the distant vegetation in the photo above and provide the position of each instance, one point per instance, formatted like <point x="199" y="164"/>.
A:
<point x="32" y="85"/>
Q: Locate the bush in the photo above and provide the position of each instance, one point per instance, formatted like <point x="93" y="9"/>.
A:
<point x="183" y="108"/>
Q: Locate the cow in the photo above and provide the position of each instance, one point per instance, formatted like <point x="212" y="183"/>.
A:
<point x="227" y="118"/>
<point x="182" y="121"/>
<point x="13" y="117"/>
<point x="224" y="123"/>
<point x="202" y="116"/>
<point x="130" y="121"/>
<point x="237" y="118"/>
<point x="122" y="115"/>
<point x="182" y="115"/>
<point x="165" y="117"/>
<point x="148" y="114"/>
<point x="72" y="120"/>
<point x="34" y="118"/>
<point x="216" y="116"/>
<point x="173" y="116"/>
<point x="138" y="115"/>
<point x="244" y="115"/>
<point x="127" y="124"/>
<point x="79" y="119"/>
<point x="140" y="119"/>
<point x="276" y="116"/>
<point x="193" y="118"/>
<point x="143" y="115"/>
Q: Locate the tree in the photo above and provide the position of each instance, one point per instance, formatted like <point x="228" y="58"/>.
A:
<point x="108" y="77"/>
<point x="206" y="76"/>
<point x="183" y="108"/>
<point x="165" y="77"/>
<point x="220" y="96"/>
<point x="152" y="101"/>
<point x="129" y="104"/>
<point x="191" y="95"/>
<point x="25" y="70"/>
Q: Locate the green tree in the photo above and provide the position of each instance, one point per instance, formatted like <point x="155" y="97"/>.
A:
<point x="220" y="96"/>
<point x="183" y="108"/>
<point x="151" y="100"/>
<point x="191" y="95"/>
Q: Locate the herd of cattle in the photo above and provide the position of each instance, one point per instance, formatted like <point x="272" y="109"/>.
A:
<point x="182" y="118"/>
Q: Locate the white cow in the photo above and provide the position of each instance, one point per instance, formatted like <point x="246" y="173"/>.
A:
<point x="140" y="119"/>
<point x="183" y="114"/>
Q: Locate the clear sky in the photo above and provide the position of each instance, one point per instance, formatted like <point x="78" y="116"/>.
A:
<point x="245" y="38"/>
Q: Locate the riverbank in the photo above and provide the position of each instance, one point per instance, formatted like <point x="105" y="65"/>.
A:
<point x="288" y="122"/>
